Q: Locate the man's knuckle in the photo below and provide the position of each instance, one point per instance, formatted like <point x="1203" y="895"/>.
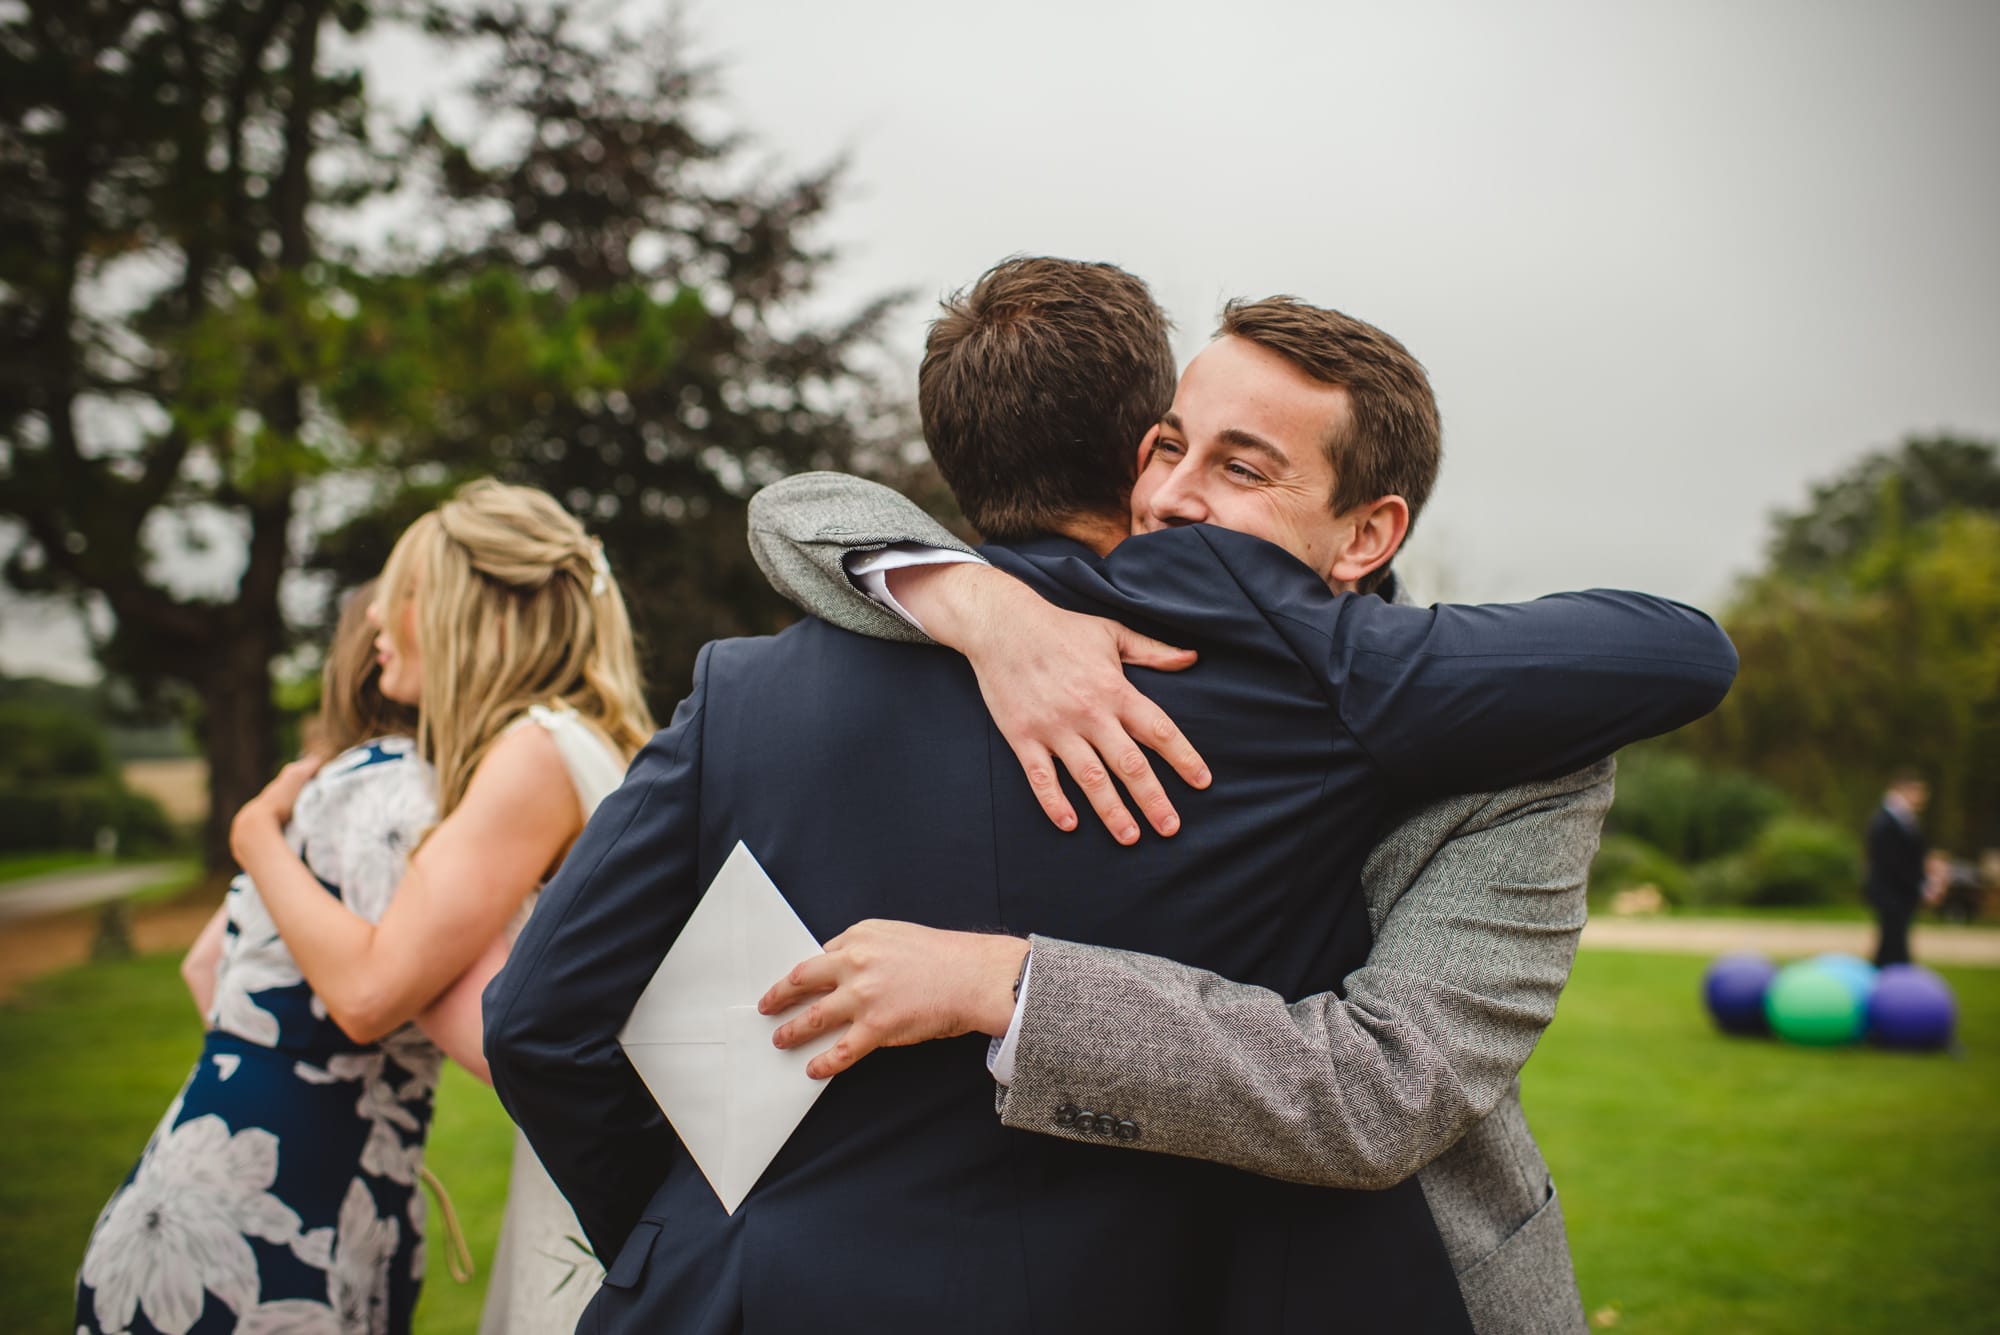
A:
<point x="1132" y="764"/>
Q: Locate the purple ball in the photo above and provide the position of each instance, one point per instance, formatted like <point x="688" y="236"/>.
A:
<point x="1911" y="1008"/>
<point x="1734" y="988"/>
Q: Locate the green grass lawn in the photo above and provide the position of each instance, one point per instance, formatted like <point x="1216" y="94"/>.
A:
<point x="22" y="866"/>
<point x="1716" y="1184"/>
<point x="1710" y="1184"/>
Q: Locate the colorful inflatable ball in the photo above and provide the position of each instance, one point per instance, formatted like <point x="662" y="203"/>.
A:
<point x="1911" y="1008"/>
<point x="1814" y="1006"/>
<point x="1733" y="990"/>
<point x="1857" y="973"/>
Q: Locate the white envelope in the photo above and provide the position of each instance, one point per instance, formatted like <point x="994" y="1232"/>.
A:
<point x="696" y="1038"/>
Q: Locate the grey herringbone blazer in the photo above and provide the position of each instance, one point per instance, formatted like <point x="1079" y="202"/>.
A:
<point x="1476" y="903"/>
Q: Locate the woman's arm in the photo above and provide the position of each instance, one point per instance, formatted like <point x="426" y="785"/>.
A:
<point x="463" y="885"/>
<point x="199" y="965"/>
<point x="453" y="1022"/>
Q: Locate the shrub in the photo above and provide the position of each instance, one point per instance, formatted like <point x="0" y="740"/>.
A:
<point x="1687" y="811"/>
<point x="1801" y="861"/>
<point x="68" y="813"/>
<point x="1722" y="881"/>
<point x="1623" y="862"/>
<point x="40" y="743"/>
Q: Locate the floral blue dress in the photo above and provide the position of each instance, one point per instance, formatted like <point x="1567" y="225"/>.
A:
<point x="279" y="1193"/>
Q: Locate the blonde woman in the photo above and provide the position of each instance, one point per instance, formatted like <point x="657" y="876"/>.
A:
<point x="280" y="1191"/>
<point x="500" y="622"/>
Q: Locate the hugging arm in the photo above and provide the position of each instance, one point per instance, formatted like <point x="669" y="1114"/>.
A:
<point x="1444" y="699"/>
<point x="204" y="957"/>
<point x="594" y="941"/>
<point x="1459" y="698"/>
<point x="1053" y="703"/>
<point x="1477" y="903"/>
<point x="460" y="889"/>
<point x="803" y="529"/>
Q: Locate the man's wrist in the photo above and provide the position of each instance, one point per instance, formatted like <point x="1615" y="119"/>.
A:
<point x="945" y="599"/>
<point x="1007" y="962"/>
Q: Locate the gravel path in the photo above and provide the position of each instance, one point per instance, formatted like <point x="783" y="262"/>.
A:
<point x="1719" y="936"/>
<point x="40" y="895"/>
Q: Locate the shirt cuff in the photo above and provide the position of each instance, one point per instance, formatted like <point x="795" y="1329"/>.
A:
<point x="1000" y="1052"/>
<point x="870" y="570"/>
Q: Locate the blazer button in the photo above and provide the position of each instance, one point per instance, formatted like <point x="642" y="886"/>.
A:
<point x="1086" y="1122"/>
<point x="1127" y="1131"/>
<point x="1066" y="1115"/>
<point x="1106" y="1123"/>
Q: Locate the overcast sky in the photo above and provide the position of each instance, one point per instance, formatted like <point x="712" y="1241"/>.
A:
<point x="1666" y="264"/>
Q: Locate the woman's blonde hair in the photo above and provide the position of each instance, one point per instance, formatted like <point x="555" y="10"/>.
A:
<point x="352" y="708"/>
<point x="515" y="607"/>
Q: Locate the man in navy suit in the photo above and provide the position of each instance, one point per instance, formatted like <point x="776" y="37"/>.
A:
<point x="869" y="781"/>
<point x="1896" y="846"/>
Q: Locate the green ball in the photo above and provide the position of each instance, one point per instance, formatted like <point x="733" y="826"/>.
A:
<point x="1809" y="1003"/>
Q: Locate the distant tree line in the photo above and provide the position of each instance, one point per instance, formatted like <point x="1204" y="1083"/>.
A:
<point x="1870" y="641"/>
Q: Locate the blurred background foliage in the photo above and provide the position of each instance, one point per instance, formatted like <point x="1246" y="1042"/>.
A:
<point x="1870" y="641"/>
<point x="60" y="786"/>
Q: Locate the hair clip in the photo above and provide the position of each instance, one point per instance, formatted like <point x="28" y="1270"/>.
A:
<point x="600" y="570"/>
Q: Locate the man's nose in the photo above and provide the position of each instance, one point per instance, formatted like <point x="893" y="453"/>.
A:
<point x="1180" y="501"/>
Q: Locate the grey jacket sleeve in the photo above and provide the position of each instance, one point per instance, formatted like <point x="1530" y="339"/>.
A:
<point x="1476" y="901"/>
<point x="803" y="527"/>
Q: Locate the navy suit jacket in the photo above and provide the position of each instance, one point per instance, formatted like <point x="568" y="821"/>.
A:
<point x="1895" y="862"/>
<point x="870" y="782"/>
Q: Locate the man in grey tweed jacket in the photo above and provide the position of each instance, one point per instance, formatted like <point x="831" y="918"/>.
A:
<point x="1476" y="903"/>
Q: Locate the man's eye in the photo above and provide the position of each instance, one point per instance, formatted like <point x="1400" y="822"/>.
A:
<point x="1244" y="473"/>
<point x="1169" y="448"/>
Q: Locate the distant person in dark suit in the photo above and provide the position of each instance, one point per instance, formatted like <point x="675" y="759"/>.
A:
<point x="1896" y="870"/>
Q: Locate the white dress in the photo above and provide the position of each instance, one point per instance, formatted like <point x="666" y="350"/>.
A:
<point x="543" y="1272"/>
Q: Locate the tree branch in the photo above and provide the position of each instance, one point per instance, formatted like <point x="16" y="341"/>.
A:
<point x="129" y="595"/>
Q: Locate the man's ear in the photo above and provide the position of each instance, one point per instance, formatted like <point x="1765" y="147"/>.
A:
<point x="1379" y="528"/>
<point x="1146" y="449"/>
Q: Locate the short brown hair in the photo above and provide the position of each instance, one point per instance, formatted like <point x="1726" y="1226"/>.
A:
<point x="1037" y="385"/>
<point x="1394" y="444"/>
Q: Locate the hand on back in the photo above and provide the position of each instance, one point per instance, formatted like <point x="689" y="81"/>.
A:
<point x="1054" y="682"/>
